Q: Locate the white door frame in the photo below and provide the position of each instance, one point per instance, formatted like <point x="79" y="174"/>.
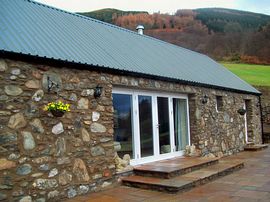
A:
<point x="135" y="122"/>
<point x="246" y="124"/>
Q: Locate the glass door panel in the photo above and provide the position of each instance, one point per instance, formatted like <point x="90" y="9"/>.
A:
<point x="180" y="123"/>
<point x="122" y="119"/>
<point x="164" y="125"/>
<point x="146" y="125"/>
<point x="149" y="126"/>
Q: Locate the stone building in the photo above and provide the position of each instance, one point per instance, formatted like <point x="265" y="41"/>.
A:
<point x="156" y="98"/>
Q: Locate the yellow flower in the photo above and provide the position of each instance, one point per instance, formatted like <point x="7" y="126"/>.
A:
<point x="59" y="105"/>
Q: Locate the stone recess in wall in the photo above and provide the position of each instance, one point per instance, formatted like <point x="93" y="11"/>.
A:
<point x="49" y="158"/>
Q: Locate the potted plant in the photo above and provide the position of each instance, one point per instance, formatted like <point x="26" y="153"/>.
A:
<point x="57" y="109"/>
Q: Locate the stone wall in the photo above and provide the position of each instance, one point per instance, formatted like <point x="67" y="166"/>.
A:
<point x="265" y="98"/>
<point x="220" y="133"/>
<point x="47" y="158"/>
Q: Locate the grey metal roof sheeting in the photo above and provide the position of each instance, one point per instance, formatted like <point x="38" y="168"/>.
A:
<point x="36" y="29"/>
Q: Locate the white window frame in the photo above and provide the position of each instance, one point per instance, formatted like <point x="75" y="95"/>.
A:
<point x="135" y="123"/>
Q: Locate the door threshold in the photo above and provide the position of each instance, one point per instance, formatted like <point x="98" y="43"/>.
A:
<point x="151" y="159"/>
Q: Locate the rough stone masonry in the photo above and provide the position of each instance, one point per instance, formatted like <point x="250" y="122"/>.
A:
<point x="46" y="158"/>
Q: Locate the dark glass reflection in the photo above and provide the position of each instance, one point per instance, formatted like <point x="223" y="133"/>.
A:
<point x="146" y="129"/>
<point x="122" y="105"/>
<point x="164" y="125"/>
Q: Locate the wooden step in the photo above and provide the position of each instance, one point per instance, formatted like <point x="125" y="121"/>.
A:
<point x="186" y="181"/>
<point x="255" y="147"/>
<point x="174" y="167"/>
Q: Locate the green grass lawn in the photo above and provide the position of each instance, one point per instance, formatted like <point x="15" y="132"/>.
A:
<point x="258" y="75"/>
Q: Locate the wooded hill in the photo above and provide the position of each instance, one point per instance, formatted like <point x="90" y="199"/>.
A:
<point x="109" y="14"/>
<point x="223" y="34"/>
<point x="218" y="19"/>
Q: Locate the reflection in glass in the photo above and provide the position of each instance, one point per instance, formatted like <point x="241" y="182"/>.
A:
<point x="164" y="126"/>
<point x="145" y="121"/>
<point x="180" y="123"/>
<point x="122" y="105"/>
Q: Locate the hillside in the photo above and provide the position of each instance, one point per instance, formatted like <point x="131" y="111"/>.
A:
<point x="109" y="14"/>
<point x="223" y="34"/>
<point x="218" y="19"/>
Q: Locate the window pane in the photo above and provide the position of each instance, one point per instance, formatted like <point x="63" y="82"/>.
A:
<point x="145" y="121"/>
<point x="164" y="126"/>
<point x="219" y="103"/>
<point x="180" y="123"/>
<point x="122" y="105"/>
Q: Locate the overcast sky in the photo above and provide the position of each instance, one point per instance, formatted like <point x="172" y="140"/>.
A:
<point x="164" y="6"/>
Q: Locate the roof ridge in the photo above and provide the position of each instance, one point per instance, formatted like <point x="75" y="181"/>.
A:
<point x="81" y="16"/>
<point x="111" y="25"/>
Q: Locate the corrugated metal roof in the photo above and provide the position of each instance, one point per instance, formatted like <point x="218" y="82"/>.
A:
<point x="32" y="28"/>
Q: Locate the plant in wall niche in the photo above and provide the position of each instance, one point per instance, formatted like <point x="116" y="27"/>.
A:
<point x="57" y="109"/>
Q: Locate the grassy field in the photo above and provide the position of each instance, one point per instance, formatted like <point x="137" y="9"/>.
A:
<point x="258" y="75"/>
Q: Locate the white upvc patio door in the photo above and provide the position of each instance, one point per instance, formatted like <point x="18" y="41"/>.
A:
<point x="160" y="124"/>
<point x="245" y="118"/>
